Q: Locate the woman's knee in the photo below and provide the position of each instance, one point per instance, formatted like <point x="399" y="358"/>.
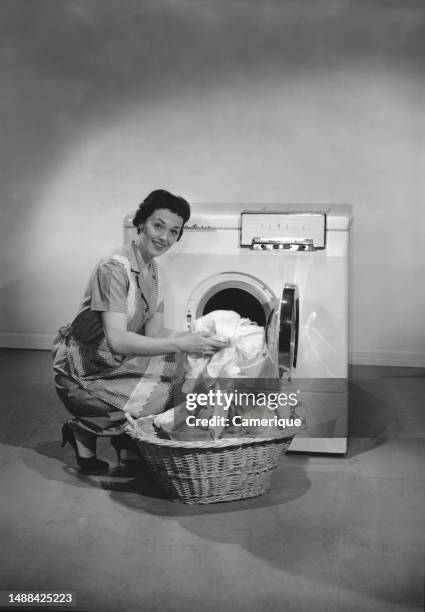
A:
<point x="78" y="402"/>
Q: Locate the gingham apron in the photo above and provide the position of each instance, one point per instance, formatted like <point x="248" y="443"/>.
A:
<point x="127" y="383"/>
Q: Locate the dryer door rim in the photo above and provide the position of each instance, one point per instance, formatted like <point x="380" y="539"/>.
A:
<point x="288" y="332"/>
<point x="225" y="280"/>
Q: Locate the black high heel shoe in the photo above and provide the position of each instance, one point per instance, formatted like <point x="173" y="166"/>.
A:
<point x="125" y="442"/>
<point x="88" y="465"/>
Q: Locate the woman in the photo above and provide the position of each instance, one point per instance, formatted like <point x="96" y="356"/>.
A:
<point x="116" y="355"/>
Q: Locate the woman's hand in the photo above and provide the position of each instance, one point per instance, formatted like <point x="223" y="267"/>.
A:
<point x="123" y="342"/>
<point x="202" y="343"/>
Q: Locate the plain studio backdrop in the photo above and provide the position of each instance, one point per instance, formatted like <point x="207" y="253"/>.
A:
<point x="297" y="101"/>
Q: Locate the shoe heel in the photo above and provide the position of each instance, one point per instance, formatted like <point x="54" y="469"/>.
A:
<point x="125" y="442"/>
<point x="89" y="465"/>
<point x="68" y="436"/>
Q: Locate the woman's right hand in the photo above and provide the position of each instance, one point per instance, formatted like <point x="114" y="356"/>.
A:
<point x="201" y="343"/>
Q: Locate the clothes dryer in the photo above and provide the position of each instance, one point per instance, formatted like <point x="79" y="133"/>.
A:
<point x="286" y="268"/>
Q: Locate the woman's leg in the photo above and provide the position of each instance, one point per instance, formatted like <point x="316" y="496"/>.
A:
<point x="92" y="416"/>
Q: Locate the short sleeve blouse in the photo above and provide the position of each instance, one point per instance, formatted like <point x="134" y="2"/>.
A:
<point x="109" y="288"/>
<point x="114" y="283"/>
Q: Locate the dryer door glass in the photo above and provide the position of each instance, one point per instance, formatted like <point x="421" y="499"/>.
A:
<point x="288" y="325"/>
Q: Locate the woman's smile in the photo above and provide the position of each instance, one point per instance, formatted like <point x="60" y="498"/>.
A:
<point x="159" y="245"/>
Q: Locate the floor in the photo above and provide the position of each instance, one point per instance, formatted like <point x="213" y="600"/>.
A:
<point x="334" y="534"/>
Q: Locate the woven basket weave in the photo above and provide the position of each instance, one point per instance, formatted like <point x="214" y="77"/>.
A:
<point x="208" y="471"/>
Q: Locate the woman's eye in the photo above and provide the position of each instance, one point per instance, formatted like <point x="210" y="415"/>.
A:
<point x="157" y="226"/>
<point x="174" y="232"/>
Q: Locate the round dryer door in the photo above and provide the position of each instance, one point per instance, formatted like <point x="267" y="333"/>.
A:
<point x="288" y="330"/>
<point x="243" y="293"/>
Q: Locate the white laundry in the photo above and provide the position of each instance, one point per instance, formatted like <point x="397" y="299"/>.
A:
<point x="246" y="342"/>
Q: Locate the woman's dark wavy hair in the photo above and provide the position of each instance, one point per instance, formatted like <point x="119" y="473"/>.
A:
<point x="160" y="198"/>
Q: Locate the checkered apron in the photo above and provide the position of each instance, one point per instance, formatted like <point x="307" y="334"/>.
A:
<point x="141" y="385"/>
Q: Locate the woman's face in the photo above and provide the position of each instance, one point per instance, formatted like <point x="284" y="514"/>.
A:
<point x="158" y="233"/>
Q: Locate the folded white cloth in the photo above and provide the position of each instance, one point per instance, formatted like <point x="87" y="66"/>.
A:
<point x="246" y="342"/>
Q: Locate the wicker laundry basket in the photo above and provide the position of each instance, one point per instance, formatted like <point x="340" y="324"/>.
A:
<point x="208" y="471"/>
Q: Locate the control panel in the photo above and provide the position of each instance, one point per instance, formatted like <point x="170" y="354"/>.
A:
<point x="283" y="230"/>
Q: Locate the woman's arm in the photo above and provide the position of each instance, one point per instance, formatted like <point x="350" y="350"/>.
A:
<point x="124" y="342"/>
<point x="154" y="327"/>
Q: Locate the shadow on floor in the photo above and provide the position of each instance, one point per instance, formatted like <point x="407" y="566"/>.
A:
<point x="371" y="422"/>
<point x="138" y="488"/>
